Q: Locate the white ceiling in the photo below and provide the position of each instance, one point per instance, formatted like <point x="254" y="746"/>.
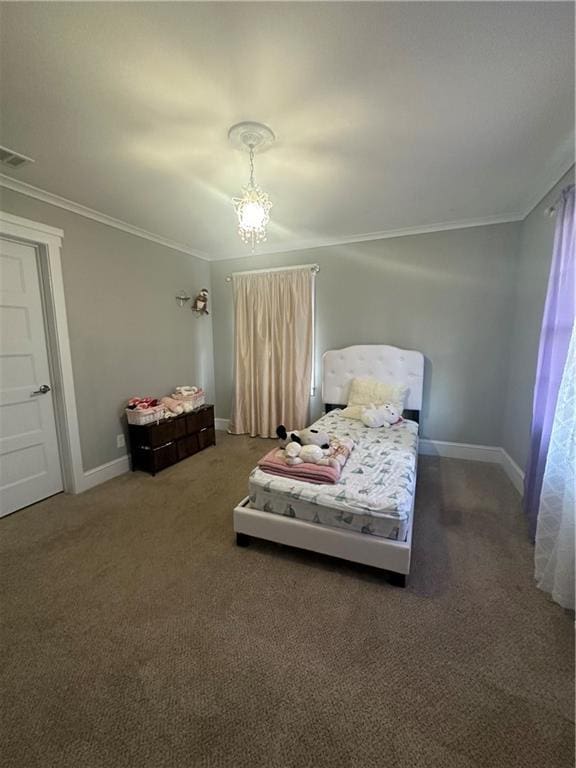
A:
<point x="388" y="115"/>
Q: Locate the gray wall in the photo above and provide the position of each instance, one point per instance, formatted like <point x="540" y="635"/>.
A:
<point x="127" y="334"/>
<point x="531" y="280"/>
<point x="471" y="300"/>
<point x="447" y="294"/>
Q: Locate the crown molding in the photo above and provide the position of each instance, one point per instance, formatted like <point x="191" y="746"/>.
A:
<point x="89" y="213"/>
<point x="387" y="234"/>
<point x="555" y="171"/>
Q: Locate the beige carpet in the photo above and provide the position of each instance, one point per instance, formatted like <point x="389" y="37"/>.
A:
<point x="135" y="633"/>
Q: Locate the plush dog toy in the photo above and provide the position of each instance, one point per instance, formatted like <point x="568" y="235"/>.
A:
<point x="385" y="415"/>
<point x="335" y="456"/>
<point x="294" y="453"/>
<point x="304" y="437"/>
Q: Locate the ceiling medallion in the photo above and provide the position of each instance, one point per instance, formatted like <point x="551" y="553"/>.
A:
<point x="253" y="208"/>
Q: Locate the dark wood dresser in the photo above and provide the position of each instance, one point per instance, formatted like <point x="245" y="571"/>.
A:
<point x="156" y="446"/>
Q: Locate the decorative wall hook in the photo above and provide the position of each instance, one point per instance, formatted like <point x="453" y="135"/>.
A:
<point x="182" y="297"/>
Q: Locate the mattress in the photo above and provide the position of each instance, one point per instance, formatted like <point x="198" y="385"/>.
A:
<point x="375" y="493"/>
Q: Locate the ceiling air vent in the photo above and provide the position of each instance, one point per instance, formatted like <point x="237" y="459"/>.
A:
<point x="13" y="159"/>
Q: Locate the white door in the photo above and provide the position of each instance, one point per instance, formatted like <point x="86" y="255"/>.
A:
<point x="29" y="456"/>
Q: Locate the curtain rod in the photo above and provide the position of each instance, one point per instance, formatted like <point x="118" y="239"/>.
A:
<point x="313" y="268"/>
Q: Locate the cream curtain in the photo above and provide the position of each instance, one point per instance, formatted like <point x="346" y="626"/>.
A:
<point x="273" y="350"/>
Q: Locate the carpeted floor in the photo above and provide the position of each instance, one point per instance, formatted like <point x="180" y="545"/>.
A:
<point x="135" y="633"/>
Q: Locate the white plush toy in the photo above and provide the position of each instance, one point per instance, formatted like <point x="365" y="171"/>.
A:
<point x="184" y="392"/>
<point x="384" y="415"/>
<point x="300" y="454"/>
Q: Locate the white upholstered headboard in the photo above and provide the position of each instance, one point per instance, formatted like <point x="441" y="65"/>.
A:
<point x="379" y="361"/>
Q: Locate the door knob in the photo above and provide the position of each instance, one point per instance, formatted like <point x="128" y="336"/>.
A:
<point x="42" y="390"/>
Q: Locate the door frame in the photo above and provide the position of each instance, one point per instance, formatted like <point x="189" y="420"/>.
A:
<point x="48" y="241"/>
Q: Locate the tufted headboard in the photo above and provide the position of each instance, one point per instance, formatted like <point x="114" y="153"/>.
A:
<point x="379" y="361"/>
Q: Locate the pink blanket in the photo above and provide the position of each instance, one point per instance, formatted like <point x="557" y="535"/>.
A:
<point x="274" y="463"/>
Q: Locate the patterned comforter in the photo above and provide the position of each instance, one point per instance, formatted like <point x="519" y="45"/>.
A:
<point x="379" y="478"/>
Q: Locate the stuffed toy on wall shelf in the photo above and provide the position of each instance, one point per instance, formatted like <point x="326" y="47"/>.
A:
<point x="200" y="303"/>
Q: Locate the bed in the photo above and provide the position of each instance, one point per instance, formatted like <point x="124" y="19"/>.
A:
<point x="367" y="517"/>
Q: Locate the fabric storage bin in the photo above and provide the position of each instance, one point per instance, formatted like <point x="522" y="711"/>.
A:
<point x="188" y="446"/>
<point x="154" y="459"/>
<point x="206" y="437"/>
<point x="155" y="446"/>
<point x="168" y="430"/>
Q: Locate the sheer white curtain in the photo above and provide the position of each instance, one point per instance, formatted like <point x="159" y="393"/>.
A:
<point x="274" y="317"/>
<point x="554" y="554"/>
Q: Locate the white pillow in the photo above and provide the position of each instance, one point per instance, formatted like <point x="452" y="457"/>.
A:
<point x="365" y="392"/>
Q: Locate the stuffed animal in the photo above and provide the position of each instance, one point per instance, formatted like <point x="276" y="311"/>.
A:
<point x="294" y="453"/>
<point x="173" y="407"/>
<point x="200" y="303"/>
<point x="335" y="456"/>
<point x="181" y="393"/>
<point x="184" y="391"/>
<point x="385" y="415"/>
<point x="142" y="403"/>
<point x="304" y="437"/>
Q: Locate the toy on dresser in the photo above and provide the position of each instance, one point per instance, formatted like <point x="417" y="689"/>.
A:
<point x="173" y="407"/>
<point x="189" y="398"/>
<point x="142" y="403"/>
<point x="145" y="410"/>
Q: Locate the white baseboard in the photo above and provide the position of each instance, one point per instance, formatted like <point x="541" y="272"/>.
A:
<point x="111" y="469"/>
<point x="515" y="474"/>
<point x="103" y="473"/>
<point x="489" y="453"/>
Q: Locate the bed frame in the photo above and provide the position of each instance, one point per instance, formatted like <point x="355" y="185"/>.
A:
<point x="389" y="365"/>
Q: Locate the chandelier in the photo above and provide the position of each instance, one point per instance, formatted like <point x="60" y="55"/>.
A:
<point x="253" y="208"/>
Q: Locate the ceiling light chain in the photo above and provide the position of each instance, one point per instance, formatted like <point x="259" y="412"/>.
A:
<point x="251" y="165"/>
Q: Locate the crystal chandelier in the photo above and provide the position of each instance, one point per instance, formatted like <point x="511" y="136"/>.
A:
<point x="253" y="208"/>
